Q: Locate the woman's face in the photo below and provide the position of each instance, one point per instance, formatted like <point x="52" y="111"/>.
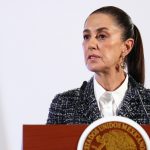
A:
<point x="103" y="45"/>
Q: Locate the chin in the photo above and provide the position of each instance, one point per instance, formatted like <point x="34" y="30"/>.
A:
<point x="94" y="69"/>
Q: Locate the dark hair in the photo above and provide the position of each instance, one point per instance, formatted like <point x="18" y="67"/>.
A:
<point x="135" y="59"/>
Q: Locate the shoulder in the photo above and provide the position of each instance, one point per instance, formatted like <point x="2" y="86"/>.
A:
<point x="66" y="96"/>
<point x="74" y="94"/>
<point x="137" y="87"/>
<point x="69" y="99"/>
<point x="134" y="84"/>
<point x="63" y="105"/>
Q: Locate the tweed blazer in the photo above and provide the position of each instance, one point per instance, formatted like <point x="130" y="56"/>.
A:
<point x="79" y="106"/>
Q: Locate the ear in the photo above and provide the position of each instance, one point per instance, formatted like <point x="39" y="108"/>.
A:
<point x="128" y="45"/>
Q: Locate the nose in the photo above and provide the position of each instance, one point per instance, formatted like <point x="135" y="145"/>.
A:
<point x="92" y="44"/>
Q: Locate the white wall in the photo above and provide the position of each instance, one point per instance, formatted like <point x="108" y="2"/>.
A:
<point x="41" y="55"/>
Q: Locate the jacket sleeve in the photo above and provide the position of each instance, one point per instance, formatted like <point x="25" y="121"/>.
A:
<point x="56" y="112"/>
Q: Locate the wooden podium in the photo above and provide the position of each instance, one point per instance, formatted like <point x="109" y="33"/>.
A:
<point x="55" y="137"/>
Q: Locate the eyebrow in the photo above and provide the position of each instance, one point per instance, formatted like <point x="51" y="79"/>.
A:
<point x="97" y="30"/>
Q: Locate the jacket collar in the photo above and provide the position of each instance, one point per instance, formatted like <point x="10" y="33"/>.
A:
<point x="129" y="106"/>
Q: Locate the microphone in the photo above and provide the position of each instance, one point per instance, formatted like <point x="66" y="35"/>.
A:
<point x="83" y="86"/>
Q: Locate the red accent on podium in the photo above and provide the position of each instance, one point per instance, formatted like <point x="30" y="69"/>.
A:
<point x="55" y="137"/>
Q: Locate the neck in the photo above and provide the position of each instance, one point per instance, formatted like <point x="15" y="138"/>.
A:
<point x="110" y="81"/>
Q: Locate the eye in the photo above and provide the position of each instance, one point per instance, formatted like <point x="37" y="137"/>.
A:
<point x="101" y="36"/>
<point x="86" y="36"/>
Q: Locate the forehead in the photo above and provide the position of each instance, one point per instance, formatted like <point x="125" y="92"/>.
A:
<point x="99" y="20"/>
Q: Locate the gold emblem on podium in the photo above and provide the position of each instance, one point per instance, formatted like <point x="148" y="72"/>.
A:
<point x="116" y="133"/>
<point x="114" y="136"/>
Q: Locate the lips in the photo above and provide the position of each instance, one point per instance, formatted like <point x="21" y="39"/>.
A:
<point x="93" y="56"/>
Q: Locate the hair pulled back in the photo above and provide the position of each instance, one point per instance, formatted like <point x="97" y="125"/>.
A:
<point x="135" y="59"/>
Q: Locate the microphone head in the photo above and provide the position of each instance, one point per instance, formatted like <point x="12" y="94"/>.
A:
<point x="83" y="85"/>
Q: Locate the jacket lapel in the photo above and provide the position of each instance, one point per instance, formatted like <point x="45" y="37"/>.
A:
<point x="91" y="110"/>
<point x="130" y="105"/>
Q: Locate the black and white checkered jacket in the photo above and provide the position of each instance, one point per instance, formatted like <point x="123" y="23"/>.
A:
<point x="79" y="106"/>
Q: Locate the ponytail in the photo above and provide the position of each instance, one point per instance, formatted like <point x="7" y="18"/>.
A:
<point x="135" y="59"/>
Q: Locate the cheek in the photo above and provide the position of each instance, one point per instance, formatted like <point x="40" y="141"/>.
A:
<point x="114" y="57"/>
<point x="112" y="50"/>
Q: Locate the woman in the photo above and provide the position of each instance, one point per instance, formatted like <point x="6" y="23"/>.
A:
<point x="111" y="40"/>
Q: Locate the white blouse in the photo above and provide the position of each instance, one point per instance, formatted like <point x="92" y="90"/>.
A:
<point x="116" y="95"/>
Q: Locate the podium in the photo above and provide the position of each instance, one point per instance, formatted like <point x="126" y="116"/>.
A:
<point x="55" y="137"/>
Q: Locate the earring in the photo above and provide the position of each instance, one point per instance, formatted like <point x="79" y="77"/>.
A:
<point x="123" y="64"/>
